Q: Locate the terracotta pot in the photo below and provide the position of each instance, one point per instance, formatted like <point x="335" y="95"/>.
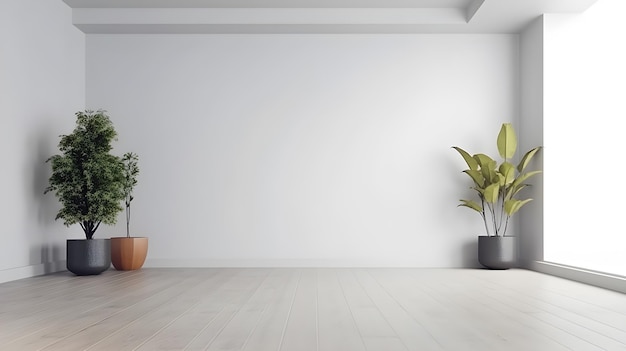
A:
<point x="128" y="253"/>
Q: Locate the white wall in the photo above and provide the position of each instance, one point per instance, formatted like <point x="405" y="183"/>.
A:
<point x="530" y="136"/>
<point x="304" y="149"/>
<point x="584" y="120"/>
<point x="42" y="65"/>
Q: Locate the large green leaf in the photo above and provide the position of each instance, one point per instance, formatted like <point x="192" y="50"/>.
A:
<point x="501" y="179"/>
<point x="471" y="162"/>
<point x="494" y="177"/>
<point x="522" y="178"/>
<point x="487" y="168"/>
<point x="476" y="176"/>
<point x="514" y="205"/>
<point x="480" y="191"/>
<point x="483" y="160"/>
<point x="472" y="204"/>
<point x="526" y="159"/>
<point x="511" y="191"/>
<point x="508" y="171"/>
<point x="507" y="141"/>
<point x="491" y="193"/>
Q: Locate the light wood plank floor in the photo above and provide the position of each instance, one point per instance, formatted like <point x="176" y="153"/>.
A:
<point x="309" y="309"/>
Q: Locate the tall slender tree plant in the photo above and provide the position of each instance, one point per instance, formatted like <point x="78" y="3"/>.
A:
<point x="131" y="170"/>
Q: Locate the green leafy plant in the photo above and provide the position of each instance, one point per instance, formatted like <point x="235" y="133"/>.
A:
<point x="131" y="170"/>
<point x="498" y="184"/>
<point x="86" y="178"/>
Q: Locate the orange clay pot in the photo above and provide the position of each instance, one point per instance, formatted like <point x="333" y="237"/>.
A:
<point x="128" y="254"/>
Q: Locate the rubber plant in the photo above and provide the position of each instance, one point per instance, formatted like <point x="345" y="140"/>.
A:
<point x="497" y="185"/>
<point x="131" y="170"/>
<point x="86" y="177"/>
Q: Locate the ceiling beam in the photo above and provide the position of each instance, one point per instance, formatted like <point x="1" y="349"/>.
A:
<point x="313" y="16"/>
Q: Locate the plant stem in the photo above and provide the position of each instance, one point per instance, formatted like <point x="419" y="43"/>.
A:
<point x="128" y="221"/>
<point x="506" y="225"/>
<point x="485" y="221"/>
<point x="95" y="228"/>
<point x="482" y="199"/>
<point x="501" y="213"/>
<point x="493" y="218"/>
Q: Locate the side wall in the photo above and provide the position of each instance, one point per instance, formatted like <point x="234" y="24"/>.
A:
<point x="42" y="65"/>
<point x="531" y="135"/>
<point x="304" y="149"/>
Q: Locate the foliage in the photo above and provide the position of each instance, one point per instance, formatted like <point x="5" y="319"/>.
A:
<point x="131" y="170"/>
<point x="497" y="185"/>
<point x="86" y="178"/>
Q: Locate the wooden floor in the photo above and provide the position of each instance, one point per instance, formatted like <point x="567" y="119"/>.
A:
<point x="309" y="310"/>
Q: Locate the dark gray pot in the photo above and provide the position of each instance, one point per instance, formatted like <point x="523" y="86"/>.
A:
<point x="88" y="257"/>
<point x="497" y="252"/>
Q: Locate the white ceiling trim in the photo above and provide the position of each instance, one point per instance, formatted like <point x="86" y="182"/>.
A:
<point x="269" y="3"/>
<point x="278" y="16"/>
<point x="309" y="16"/>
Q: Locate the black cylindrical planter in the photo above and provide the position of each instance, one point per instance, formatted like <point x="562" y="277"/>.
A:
<point x="88" y="257"/>
<point x="497" y="252"/>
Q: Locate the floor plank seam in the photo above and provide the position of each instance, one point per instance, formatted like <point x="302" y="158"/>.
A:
<point x="380" y="310"/>
<point x="410" y="315"/>
<point x="293" y="299"/>
<point x="356" y="326"/>
<point x="135" y="320"/>
<point x="104" y="303"/>
<point x="165" y="326"/>
<point x="258" y="287"/>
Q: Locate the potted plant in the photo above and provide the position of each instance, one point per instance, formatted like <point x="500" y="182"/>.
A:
<point x="129" y="253"/>
<point x="87" y="180"/>
<point x="497" y="186"/>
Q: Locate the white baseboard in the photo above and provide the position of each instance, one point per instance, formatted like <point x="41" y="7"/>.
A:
<point x="281" y="263"/>
<point x="599" y="279"/>
<point x="11" y="274"/>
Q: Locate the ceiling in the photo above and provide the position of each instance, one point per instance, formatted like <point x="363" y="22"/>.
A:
<point x="314" y="16"/>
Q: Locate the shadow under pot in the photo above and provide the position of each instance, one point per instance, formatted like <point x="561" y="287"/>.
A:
<point x="88" y="257"/>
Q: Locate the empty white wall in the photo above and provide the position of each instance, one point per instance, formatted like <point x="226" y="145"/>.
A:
<point x="304" y="149"/>
<point x="42" y="65"/>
